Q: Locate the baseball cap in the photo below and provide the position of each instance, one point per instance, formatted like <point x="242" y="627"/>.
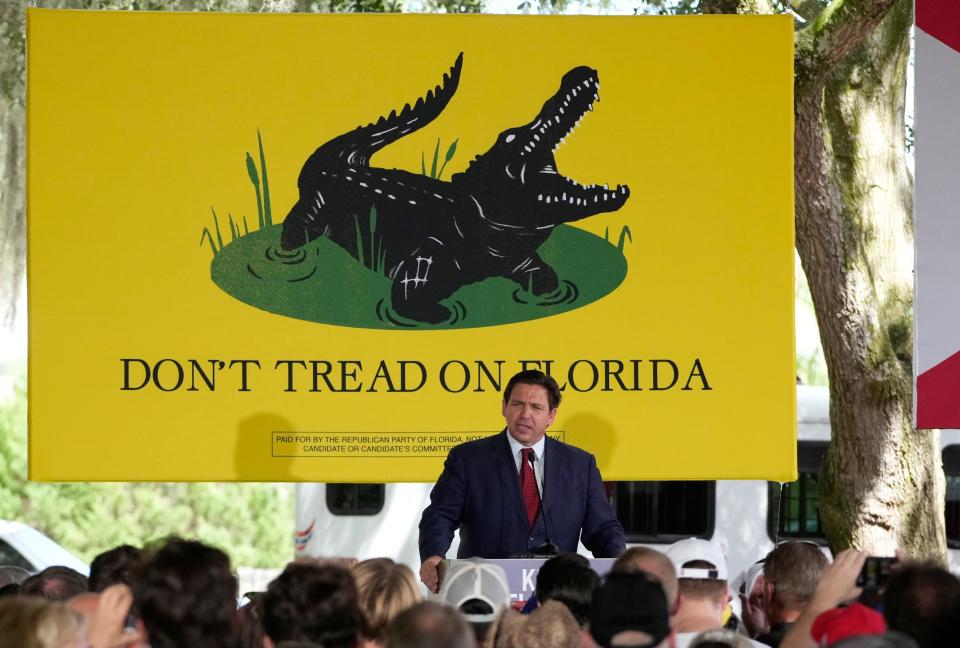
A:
<point x="745" y="582"/>
<point x="851" y="621"/>
<point x="691" y="549"/>
<point x="629" y="602"/>
<point x="469" y="579"/>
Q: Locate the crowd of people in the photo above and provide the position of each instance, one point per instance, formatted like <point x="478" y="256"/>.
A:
<point x="183" y="594"/>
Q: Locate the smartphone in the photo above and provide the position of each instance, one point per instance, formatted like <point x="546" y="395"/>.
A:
<point x="875" y="572"/>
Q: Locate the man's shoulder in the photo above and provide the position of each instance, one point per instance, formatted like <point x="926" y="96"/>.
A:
<point x="570" y="452"/>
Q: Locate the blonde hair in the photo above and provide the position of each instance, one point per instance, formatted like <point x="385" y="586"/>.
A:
<point x="33" y="622"/>
<point x="384" y="589"/>
<point x="551" y="625"/>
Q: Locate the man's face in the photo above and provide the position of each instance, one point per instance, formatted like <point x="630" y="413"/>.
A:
<point x="527" y="412"/>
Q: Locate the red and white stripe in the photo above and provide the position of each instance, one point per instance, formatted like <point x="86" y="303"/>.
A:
<point x="937" y="215"/>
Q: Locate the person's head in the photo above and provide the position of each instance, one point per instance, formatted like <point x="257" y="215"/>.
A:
<point x="33" y="622"/>
<point x="568" y="579"/>
<point x="429" y="625"/>
<point x="477" y="590"/>
<point x="841" y="623"/>
<point x="629" y="609"/>
<point x="185" y="594"/>
<point x="385" y="589"/>
<point x="749" y="587"/>
<point x="701" y="579"/>
<point x="530" y="403"/>
<point x="10" y="579"/>
<point x="11" y="574"/>
<point x="250" y="631"/>
<point x="86" y="604"/>
<point x="888" y="640"/>
<point x="549" y="626"/>
<point x="55" y="584"/>
<point x="113" y="567"/>
<point x="720" y="639"/>
<point x="652" y="562"/>
<point x="791" y="572"/>
<point x="313" y="602"/>
<point x="923" y="600"/>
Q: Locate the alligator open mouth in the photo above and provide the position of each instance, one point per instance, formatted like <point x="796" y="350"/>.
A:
<point x="559" y="117"/>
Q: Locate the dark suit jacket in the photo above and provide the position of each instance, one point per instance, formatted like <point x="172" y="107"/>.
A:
<point x="479" y="493"/>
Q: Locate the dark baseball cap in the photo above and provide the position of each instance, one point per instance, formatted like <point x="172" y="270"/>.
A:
<point x="629" y="602"/>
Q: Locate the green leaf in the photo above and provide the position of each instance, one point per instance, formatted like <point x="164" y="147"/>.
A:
<point x="252" y="172"/>
<point x="436" y="156"/>
<point x="267" y="214"/>
<point x="452" y="150"/>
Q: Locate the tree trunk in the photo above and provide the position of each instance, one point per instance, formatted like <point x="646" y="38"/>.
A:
<point x="13" y="240"/>
<point x="882" y="486"/>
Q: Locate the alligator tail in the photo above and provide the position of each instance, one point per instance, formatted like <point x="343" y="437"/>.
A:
<point x="358" y="146"/>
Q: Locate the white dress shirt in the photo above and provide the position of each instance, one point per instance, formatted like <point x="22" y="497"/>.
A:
<point x="516" y="447"/>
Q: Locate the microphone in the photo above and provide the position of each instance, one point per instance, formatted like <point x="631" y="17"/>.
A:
<point x="547" y="548"/>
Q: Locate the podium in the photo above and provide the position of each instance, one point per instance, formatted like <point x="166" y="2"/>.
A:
<point x="522" y="572"/>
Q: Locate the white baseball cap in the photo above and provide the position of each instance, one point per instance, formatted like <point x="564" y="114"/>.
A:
<point x="468" y="579"/>
<point x="691" y="549"/>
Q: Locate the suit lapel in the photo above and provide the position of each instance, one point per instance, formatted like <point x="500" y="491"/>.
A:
<point x="552" y="471"/>
<point x="503" y="460"/>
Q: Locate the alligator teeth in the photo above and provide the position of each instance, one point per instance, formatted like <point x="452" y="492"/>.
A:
<point x="570" y="200"/>
<point x="548" y="200"/>
<point x="536" y="137"/>
<point x="564" y="197"/>
<point x="623" y="190"/>
<point x="540" y="197"/>
<point x="574" y="92"/>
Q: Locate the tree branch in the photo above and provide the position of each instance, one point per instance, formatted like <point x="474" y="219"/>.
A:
<point x="837" y="31"/>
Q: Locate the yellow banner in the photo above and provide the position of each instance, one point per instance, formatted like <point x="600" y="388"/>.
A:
<point x="301" y="247"/>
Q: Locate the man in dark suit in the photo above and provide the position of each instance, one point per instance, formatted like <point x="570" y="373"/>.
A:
<point x="491" y="489"/>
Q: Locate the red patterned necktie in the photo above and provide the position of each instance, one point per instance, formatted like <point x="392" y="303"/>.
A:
<point x="528" y="486"/>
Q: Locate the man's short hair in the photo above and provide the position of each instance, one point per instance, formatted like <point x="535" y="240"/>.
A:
<point x="429" y="625"/>
<point x="313" y="602"/>
<point x="794" y="569"/>
<point x="186" y="594"/>
<point x="923" y="600"/>
<point x="384" y="589"/>
<point x="699" y="589"/>
<point x="568" y="579"/>
<point x="114" y="567"/>
<point x="653" y="562"/>
<point x="55" y="584"/>
<point x="535" y="377"/>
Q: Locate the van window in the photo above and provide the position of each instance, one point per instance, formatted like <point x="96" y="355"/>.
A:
<point x="12" y="557"/>
<point x="951" y="470"/>
<point x="664" y="511"/>
<point x="794" y="510"/>
<point x="355" y="499"/>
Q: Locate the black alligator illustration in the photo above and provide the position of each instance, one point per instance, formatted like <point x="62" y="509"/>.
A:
<point x="437" y="236"/>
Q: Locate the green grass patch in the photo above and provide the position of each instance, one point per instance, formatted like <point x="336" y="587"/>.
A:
<point x="322" y="283"/>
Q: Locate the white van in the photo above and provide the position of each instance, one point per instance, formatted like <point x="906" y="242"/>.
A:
<point x="746" y="517"/>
